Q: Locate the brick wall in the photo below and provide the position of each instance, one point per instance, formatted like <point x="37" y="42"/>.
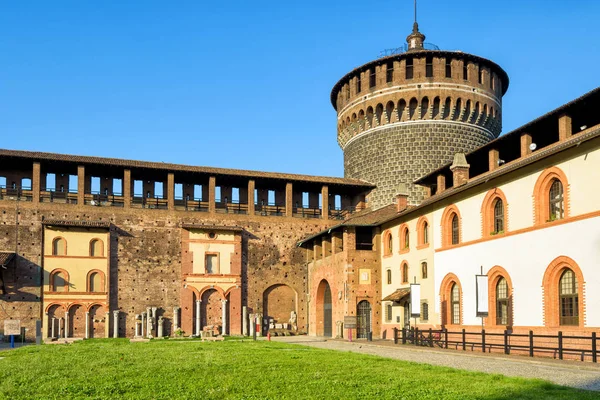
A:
<point x="404" y="153"/>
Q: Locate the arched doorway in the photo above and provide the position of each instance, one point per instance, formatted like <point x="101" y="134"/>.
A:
<point x="363" y="319"/>
<point x="211" y="309"/>
<point x="278" y="303"/>
<point x="77" y="318"/>
<point x="56" y="321"/>
<point x="97" y="321"/>
<point x="324" y="310"/>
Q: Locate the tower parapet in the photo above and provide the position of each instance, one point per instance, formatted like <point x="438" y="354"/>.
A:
<point x="401" y="116"/>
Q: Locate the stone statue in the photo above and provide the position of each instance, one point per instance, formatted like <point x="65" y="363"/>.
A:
<point x="293" y="320"/>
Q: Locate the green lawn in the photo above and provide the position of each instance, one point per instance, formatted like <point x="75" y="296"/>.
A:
<point x="169" y="369"/>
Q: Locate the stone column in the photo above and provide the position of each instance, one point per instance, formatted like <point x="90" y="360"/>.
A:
<point x="325" y="202"/>
<point x="107" y="324"/>
<point x="170" y="191"/>
<point x="148" y="321"/>
<point x="59" y="326"/>
<point x="80" y="184"/>
<point x="289" y="204"/>
<point x="224" y="313"/>
<point x="259" y="322"/>
<point x="211" y="194"/>
<point x="87" y="324"/>
<point x="137" y="325"/>
<point x="53" y="325"/>
<point x="143" y="324"/>
<point x="127" y="188"/>
<point x="198" y="328"/>
<point x="46" y="324"/>
<point x="66" y="324"/>
<point x="175" y="318"/>
<point x="116" y="323"/>
<point x="251" y="325"/>
<point x="154" y="320"/>
<point x="245" y="321"/>
<point x="160" y="327"/>
<point x="35" y="183"/>
<point x="251" y="187"/>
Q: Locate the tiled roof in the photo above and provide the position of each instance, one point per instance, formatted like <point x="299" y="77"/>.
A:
<point x="365" y="217"/>
<point x="5" y="258"/>
<point x="505" y="169"/>
<point x="496" y="142"/>
<point x="212" y="227"/>
<point x="182" y="168"/>
<point x="398" y="295"/>
<point x="77" y="223"/>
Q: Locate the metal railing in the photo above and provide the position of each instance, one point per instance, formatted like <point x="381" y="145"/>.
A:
<point x="233" y="207"/>
<point x="52" y="196"/>
<point x="16" y="193"/>
<point x="269" y="209"/>
<point x="187" y="204"/>
<point x="306" y="212"/>
<point x="104" y="200"/>
<point x="149" y="202"/>
<point x="507" y="342"/>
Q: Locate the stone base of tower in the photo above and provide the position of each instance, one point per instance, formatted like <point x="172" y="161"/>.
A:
<point x="403" y="152"/>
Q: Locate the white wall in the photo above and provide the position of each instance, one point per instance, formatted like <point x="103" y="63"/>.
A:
<point x="525" y="257"/>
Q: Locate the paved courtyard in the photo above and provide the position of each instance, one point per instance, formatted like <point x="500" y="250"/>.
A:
<point x="568" y="373"/>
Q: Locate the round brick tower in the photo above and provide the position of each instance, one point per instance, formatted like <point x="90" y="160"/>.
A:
<point x="404" y="115"/>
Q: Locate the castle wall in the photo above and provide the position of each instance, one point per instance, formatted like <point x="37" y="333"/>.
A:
<point x="146" y="259"/>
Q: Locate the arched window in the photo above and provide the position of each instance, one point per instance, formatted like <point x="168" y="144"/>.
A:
<point x="498" y="216"/>
<point x="425" y="233"/>
<point x="405" y="273"/>
<point x="389" y="244"/>
<point x="455" y="304"/>
<point x="389" y="276"/>
<point x="493" y="212"/>
<point x="96" y="282"/>
<point x="59" y="281"/>
<point x="450" y="226"/>
<point x="502" y="302"/>
<point x="404" y="238"/>
<point x="455" y="230"/>
<point x="569" y="298"/>
<point x="551" y="196"/>
<point x="556" y="201"/>
<point x="424" y="270"/>
<point x="59" y="247"/>
<point x="96" y="248"/>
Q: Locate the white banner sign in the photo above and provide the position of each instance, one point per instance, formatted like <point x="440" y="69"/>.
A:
<point x="481" y="282"/>
<point x="415" y="300"/>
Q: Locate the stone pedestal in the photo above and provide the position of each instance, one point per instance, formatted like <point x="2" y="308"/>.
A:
<point x="160" y="327"/>
<point x="259" y="324"/>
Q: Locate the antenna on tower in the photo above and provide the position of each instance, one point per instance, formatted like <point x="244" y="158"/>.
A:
<point x="415" y="11"/>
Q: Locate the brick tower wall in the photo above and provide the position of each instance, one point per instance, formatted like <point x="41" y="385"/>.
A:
<point x="402" y="153"/>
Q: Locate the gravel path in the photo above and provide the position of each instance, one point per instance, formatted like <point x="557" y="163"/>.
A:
<point x="567" y="373"/>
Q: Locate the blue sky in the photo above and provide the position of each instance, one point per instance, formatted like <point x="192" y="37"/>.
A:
<point x="246" y="84"/>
